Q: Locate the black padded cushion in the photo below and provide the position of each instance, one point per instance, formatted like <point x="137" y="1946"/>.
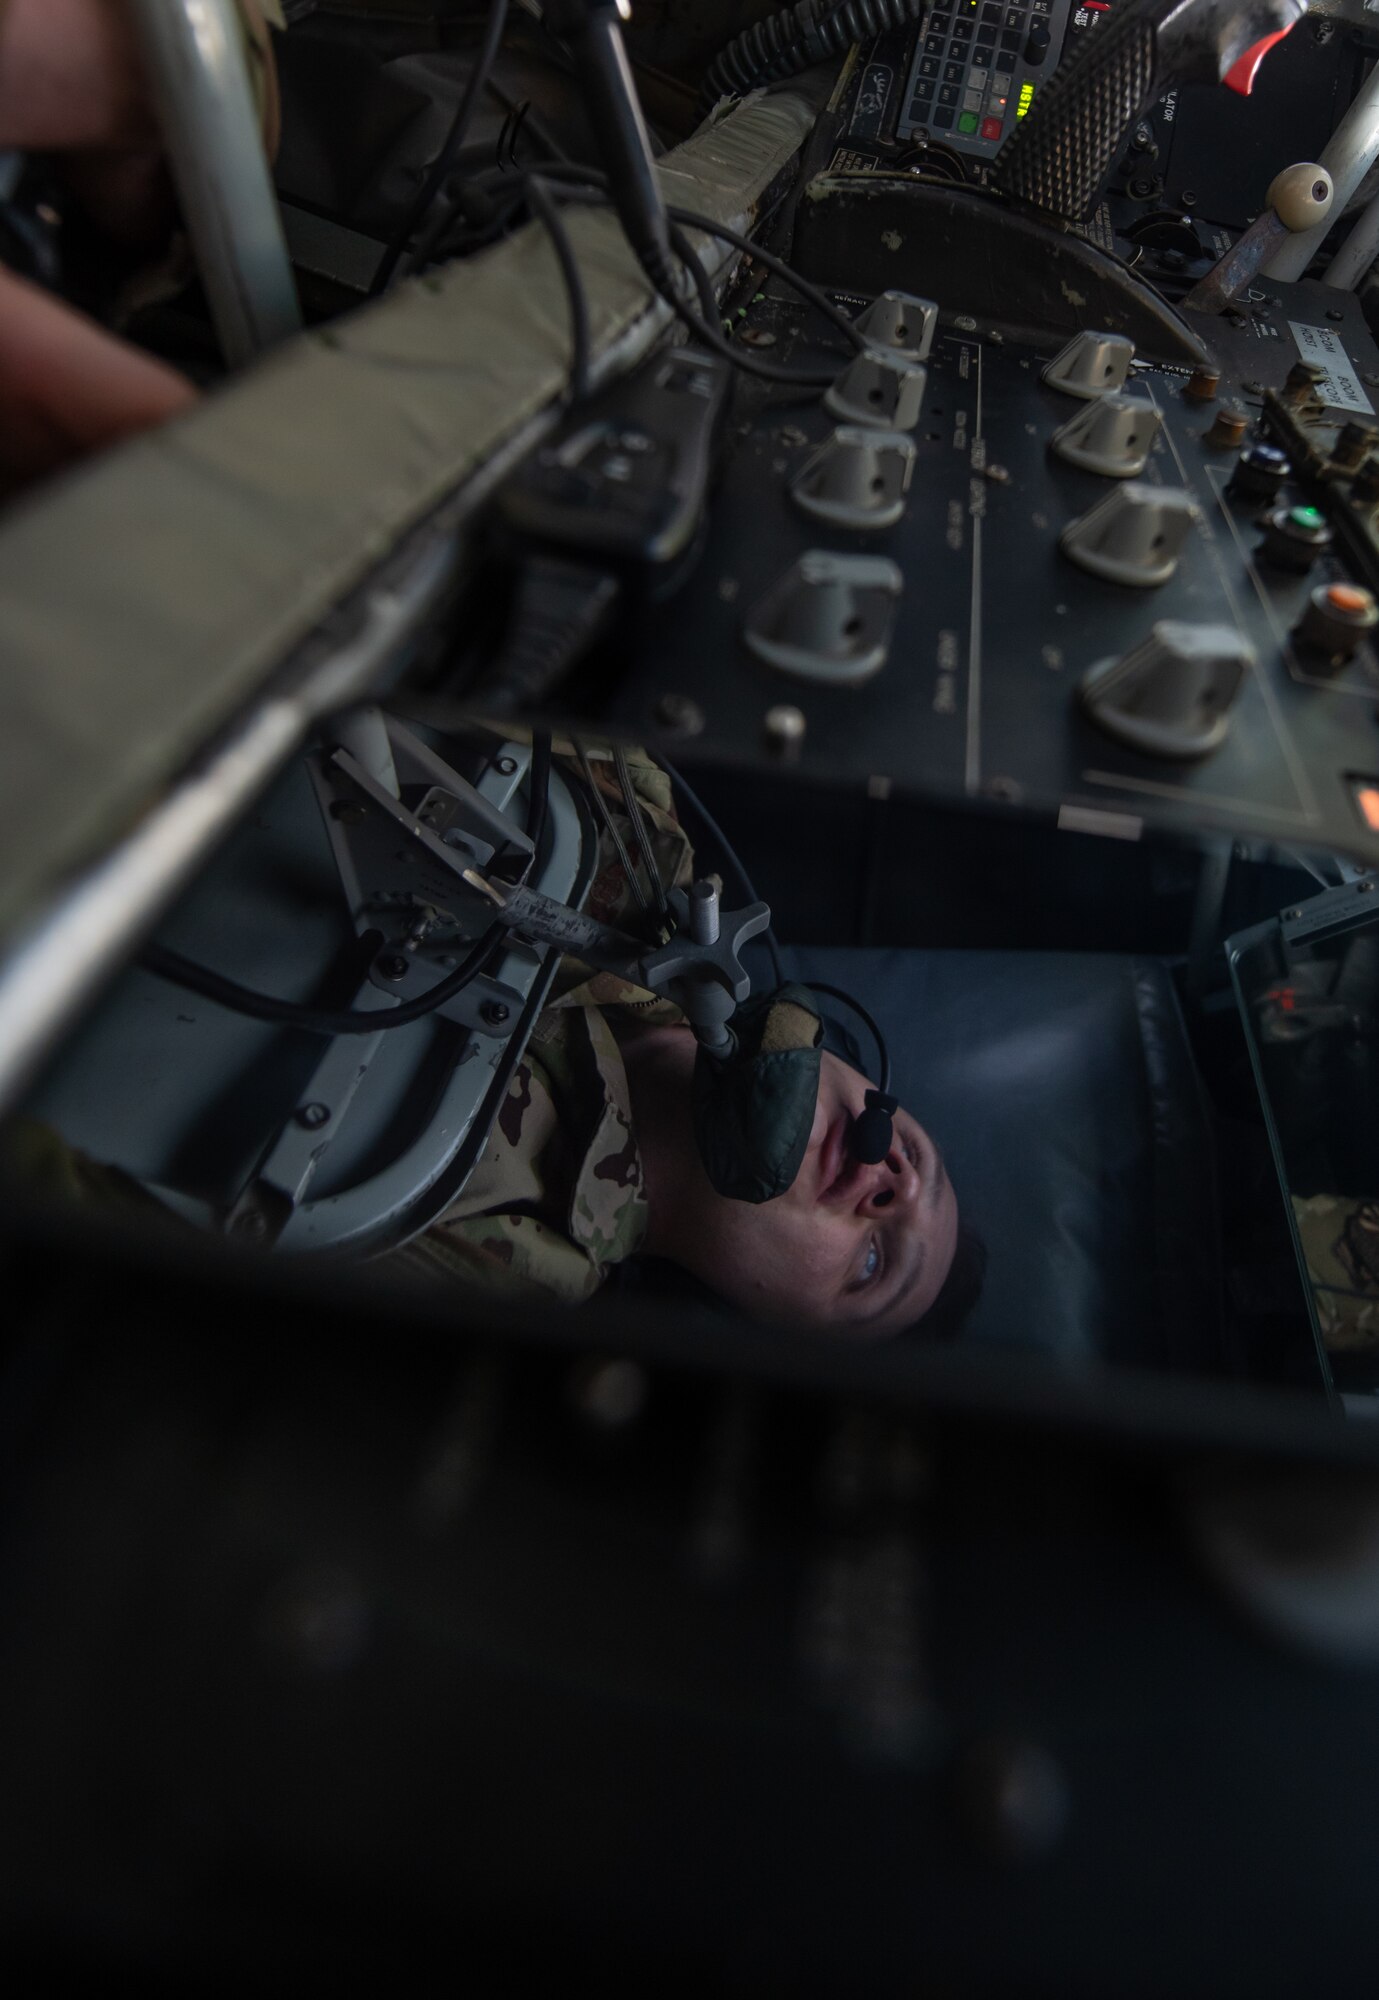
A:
<point x="1061" y="1090"/>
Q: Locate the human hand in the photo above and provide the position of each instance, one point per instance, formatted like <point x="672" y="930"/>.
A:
<point x="71" y="77"/>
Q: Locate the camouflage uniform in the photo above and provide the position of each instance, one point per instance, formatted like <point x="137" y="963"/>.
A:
<point x="1340" y="1240"/>
<point x="557" y="1198"/>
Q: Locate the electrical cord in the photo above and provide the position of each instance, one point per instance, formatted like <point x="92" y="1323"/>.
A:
<point x="710" y="335"/>
<point x="449" y="152"/>
<point x="691" y="218"/>
<point x="797" y="36"/>
<point x="541" y="205"/>
<point x="633" y="807"/>
<point x="871" y="1134"/>
<point x="810" y="293"/>
<point x="883" y="1053"/>
<point x="185" y="972"/>
<point x="587" y="185"/>
<point x="600" y="804"/>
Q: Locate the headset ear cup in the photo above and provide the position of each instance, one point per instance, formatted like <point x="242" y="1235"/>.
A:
<point x="872" y="1132"/>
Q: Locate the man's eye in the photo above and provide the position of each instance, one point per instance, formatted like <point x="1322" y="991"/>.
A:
<point x="871" y="1266"/>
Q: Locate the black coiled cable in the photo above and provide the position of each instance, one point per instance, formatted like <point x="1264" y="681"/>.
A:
<point x="795" y="38"/>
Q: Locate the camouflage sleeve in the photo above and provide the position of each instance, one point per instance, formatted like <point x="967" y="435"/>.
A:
<point x="40" y="1161"/>
<point x="612" y="898"/>
<point x="1340" y="1241"/>
<point x="516" y="1256"/>
<point x="557" y="1198"/>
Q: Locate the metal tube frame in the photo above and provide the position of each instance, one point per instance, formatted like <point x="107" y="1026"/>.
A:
<point x="1348" y="155"/>
<point x="210" y="126"/>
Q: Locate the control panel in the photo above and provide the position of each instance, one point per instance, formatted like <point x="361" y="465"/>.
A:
<point x="976" y="69"/>
<point x="1129" y="595"/>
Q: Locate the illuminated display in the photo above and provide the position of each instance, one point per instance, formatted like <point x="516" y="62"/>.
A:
<point x="1367" y="799"/>
<point x="1026" y="98"/>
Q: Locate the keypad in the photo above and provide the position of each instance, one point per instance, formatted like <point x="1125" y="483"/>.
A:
<point x="964" y="76"/>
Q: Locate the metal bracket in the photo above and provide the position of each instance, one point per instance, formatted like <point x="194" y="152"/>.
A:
<point x="402" y="860"/>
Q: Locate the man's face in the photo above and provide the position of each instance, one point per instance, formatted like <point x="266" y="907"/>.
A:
<point x="853" y="1248"/>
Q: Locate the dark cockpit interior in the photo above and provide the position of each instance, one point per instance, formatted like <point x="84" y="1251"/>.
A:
<point x="665" y="664"/>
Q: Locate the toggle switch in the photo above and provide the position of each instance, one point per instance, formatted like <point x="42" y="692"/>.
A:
<point x="886" y="390"/>
<point x="858" y="480"/>
<point x="1337" y="619"/>
<point x="1092" y="364"/>
<point x="1112" y="436"/>
<point x="1171" y="695"/>
<point x="1259" y="472"/>
<point x="828" y="618"/>
<point x="900" y="323"/>
<point x="1133" y="535"/>
<point x="1294" y="537"/>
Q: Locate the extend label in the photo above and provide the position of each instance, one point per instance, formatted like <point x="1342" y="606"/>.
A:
<point x="1341" y="387"/>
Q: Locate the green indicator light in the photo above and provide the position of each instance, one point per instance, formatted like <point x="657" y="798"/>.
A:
<point x="1026" y="99"/>
<point x="1307" y="517"/>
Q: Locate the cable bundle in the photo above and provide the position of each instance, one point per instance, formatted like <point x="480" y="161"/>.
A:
<point x="795" y="38"/>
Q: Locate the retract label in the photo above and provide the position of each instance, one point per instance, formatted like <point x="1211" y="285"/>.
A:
<point x="1341" y="388"/>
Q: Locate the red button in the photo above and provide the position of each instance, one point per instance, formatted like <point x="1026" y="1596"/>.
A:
<point x="991" y="128"/>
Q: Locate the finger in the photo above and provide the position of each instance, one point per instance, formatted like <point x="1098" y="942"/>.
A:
<point x="67" y="388"/>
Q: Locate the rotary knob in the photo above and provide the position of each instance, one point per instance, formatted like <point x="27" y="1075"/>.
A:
<point x="1092" y="364"/>
<point x="1113" y="436"/>
<point x="1037" y="43"/>
<point x="1132" y="536"/>
<point x="1171" y="695"/>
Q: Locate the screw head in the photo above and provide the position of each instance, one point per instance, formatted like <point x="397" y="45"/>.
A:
<point x="784" y="729"/>
<point x="608" y="1394"/>
<point x="1290" y="914"/>
<point x="494" y="1012"/>
<point x="1014" y="1798"/>
<point x="1334" y="312"/>
<point x="505" y="766"/>
<point x="319" y="1618"/>
<point x="313" y="1116"/>
<point x="394" y="966"/>
<point x="678" y="712"/>
<point x="252" y="1224"/>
